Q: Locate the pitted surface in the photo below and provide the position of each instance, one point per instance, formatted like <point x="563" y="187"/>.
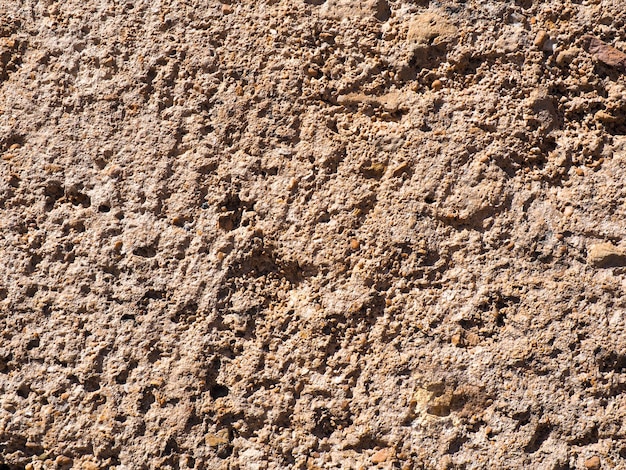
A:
<point x="312" y="234"/>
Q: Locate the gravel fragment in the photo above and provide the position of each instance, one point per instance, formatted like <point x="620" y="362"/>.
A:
<point x="593" y="463"/>
<point x="605" y="53"/>
<point x="606" y="255"/>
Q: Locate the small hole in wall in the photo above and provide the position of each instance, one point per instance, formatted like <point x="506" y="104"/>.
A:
<point x="23" y="391"/>
<point x="219" y="391"/>
<point x="104" y="208"/>
<point x="145" y="251"/>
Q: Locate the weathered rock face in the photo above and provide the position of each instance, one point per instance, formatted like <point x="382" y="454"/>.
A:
<point x="312" y="234"/>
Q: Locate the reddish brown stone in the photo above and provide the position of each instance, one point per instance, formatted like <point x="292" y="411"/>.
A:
<point x="604" y="53"/>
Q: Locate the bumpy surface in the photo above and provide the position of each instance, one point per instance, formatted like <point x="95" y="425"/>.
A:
<point x="312" y="234"/>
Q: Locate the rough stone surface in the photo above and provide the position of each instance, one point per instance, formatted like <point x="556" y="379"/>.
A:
<point x="312" y="234"/>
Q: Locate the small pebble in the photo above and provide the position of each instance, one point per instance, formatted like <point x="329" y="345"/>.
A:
<point x="606" y="255"/>
<point x="566" y="57"/>
<point x="382" y="455"/>
<point x="355" y="244"/>
<point x="217" y="439"/>
<point x="457" y="340"/>
<point x="113" y="171"/>
<point x="436" y="85"/>
<point x="63" y="460"/>
<point x="10" y="407"/>
<point x="313" y="72"/>
<point x="603" y="116"/>
<point x="541" y="38"/>
<point x="593" y="463"/>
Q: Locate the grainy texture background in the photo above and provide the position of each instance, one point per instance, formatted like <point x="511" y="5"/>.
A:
<point x="312" y="234"/>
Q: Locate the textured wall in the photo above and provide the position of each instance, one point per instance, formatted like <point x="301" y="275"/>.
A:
<point x="312" y="234"/>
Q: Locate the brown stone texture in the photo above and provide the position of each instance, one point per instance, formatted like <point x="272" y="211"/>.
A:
<point x="312" y="234"/>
